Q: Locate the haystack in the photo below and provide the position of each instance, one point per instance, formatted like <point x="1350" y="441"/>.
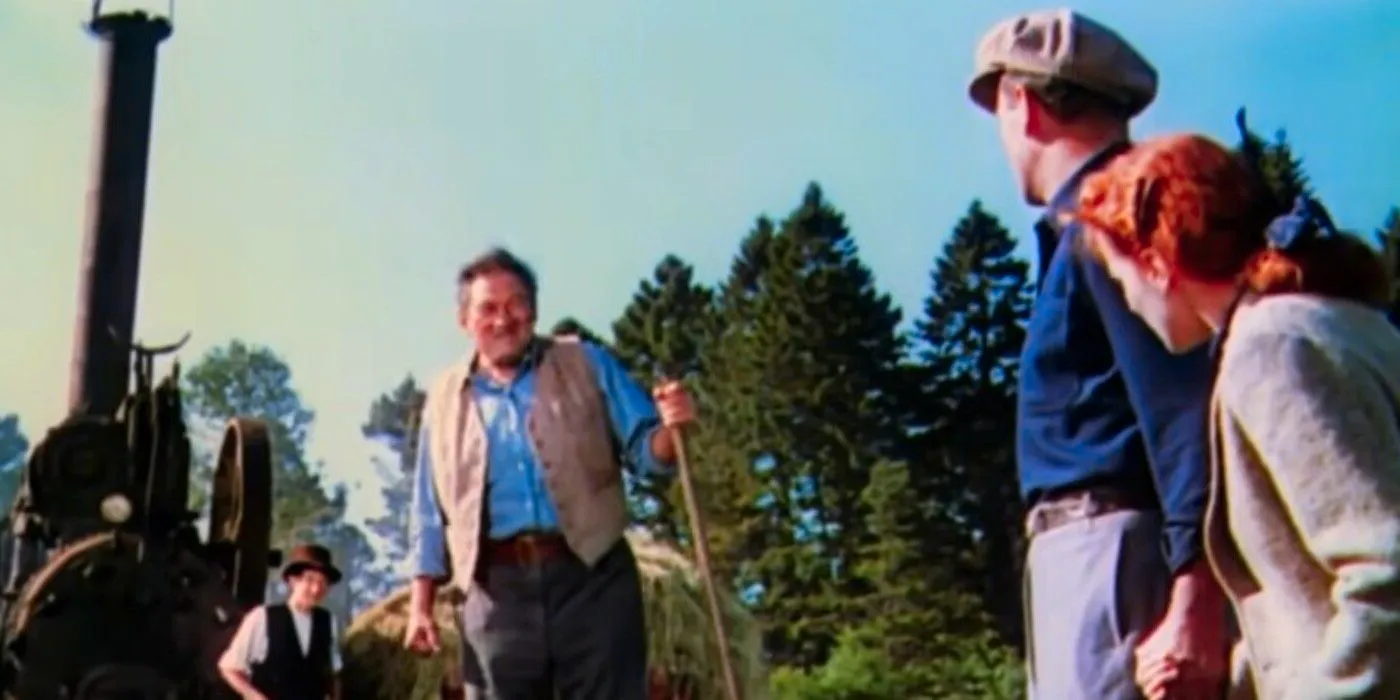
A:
<point x="680" y="638"/>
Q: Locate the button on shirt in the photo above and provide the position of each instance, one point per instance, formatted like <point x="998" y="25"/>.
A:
<point x="1101" y="402"/>
<point x="517" y="499"/>
<point x="249" y="645"/>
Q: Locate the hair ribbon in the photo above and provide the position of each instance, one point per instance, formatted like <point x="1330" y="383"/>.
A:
<point x="1308" y="220"/>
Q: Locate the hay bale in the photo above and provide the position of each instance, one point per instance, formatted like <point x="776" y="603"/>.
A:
<point x="680" y="638"/>
<point x="377" y="666"/>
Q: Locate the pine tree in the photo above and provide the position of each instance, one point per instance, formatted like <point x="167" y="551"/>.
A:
<point x="661" y="332"/>
<point x="1281" y="169"/>
<point x="917" y="602"/>
<point x="393" y="422"/>
<point x="969" y="340"/>
<point x="801" y="382"/>
<point x="722" y="458"/>
<point x="14" y="450"/>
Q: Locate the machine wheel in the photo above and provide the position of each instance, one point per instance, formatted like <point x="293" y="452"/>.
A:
<point x="240" y="513"/>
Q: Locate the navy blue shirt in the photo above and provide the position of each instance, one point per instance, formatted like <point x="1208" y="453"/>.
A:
<point x="1101" y="402"/>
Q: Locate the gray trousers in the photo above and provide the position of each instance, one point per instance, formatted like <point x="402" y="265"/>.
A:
<point x="1093" y="588"/>
<point x="556" y="630"/>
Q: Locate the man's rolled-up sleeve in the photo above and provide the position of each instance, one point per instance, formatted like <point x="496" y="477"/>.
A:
<point x="1170" y="395"/>
<point x="631" y="410"/>
<point x="427" y="546"/>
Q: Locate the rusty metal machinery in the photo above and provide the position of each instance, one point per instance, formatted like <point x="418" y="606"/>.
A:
<point x="109" y="591"/>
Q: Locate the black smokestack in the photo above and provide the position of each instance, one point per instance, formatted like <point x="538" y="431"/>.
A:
<point x="111" y="262"/>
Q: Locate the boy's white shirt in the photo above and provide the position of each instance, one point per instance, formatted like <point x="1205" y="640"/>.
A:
<point x="249" y="645"/>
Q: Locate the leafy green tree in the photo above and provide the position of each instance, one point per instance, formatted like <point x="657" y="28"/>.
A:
<point x="14" y="450"/>
<point x="800" y="385"/>
<point x="239" y="379"/>
<point x="969" y="341"/>
<point x="367" y="580"/>
<point x="245" y="380"/>
<point x="661" y="332"/>
<point x="858" y="671"/>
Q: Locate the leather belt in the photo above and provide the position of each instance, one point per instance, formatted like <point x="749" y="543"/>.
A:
<point x="1064" y="508"/>
<point x="526" y="549"/>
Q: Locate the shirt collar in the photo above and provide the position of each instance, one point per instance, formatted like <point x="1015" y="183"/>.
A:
<point x="533" y="353"/>
<point x="1064" y="200"/>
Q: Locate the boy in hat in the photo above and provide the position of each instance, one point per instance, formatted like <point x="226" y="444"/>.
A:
<point x="289" y="651"/>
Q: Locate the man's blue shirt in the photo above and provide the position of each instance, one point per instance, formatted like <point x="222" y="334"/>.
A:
<point x="516" y="498"/>
<point x="1101" y="401"/>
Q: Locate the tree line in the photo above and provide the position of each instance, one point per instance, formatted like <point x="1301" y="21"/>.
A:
<point x="856" y="471"/>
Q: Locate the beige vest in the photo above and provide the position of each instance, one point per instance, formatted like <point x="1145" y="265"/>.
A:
<point x="573" y="442"/>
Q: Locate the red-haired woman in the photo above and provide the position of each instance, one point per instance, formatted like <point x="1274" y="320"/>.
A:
<point x="1303" y="525"/>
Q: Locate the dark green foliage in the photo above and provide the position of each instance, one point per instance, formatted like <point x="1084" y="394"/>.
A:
<point x="393" y="422"/>
<point x="969" y="342"/>
<point x="660" y="333"/>
<point x="14" y="450"/>
<point x="1281" y="169"/>
<point x="858" y="671"/>
<point x="242" y="380"/>
<point x="800" y="383"/>
<point x="239" y="379"/>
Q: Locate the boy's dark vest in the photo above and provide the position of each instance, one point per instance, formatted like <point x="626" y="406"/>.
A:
<point x="287" y="673"/>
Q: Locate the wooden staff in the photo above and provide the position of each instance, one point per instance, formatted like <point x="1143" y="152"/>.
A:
<point x="702" y="561"/>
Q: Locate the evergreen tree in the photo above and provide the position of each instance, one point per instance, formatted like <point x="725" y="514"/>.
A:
<point x="918" y="607"/>
<point x="1281" y="169"/>
<point x="393" y="422"/>
<point x="801" y="385"/>
<point x="969" y="340"/>
<point x="726" y="483"/>
<point x="14" y="450"/>
<point x="661" y="332"/>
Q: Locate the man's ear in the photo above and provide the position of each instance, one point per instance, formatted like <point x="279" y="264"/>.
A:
<point x="1013" y="101"/>
<point x="1035" y="119"/>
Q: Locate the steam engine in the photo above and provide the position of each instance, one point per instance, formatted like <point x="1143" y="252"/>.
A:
<point x="109" y="591"/>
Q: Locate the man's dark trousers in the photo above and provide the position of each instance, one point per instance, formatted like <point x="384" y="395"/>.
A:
<point x="547" y="626"/>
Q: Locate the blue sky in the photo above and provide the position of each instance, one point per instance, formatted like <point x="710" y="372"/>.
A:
<point x="321" y="168"/>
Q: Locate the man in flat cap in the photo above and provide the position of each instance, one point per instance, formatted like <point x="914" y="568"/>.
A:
<point x="289" y="651"/>
<point x="1111" y="427"/>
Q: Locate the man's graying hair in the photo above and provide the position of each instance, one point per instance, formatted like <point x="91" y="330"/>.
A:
<point x="498" y="260"/>
<point x="1067" y="101"/>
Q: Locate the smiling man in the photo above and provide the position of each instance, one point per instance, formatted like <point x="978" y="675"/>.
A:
<point x="518" y="500"/>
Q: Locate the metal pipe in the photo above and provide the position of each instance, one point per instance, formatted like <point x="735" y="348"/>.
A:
<point x="111" y="261"/>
